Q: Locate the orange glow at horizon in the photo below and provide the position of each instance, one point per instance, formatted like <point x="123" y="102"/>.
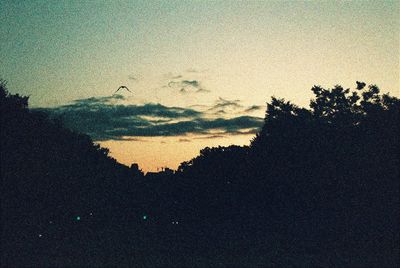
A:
<point x="154" y="153"/>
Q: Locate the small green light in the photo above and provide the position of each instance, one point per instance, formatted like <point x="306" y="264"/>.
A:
<point x="144" y="217"/>
<point x="78" y="218"/>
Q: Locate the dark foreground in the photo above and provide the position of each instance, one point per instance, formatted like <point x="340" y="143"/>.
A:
<point x="316" y="187"/>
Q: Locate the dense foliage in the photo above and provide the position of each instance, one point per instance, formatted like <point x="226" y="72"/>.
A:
<point x="317" y="186"/>
<point x="53" y="177"/>
<point x="324" y="178"/>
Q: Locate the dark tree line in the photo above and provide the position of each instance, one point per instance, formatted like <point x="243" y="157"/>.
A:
<point x="320" y="182"/>
<point x="53" y="178"/>
<point x="324" y="178"/>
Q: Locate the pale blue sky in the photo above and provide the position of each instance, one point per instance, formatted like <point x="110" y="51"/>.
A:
<point x="60" y="51"/>
<point x="57" y="51"/>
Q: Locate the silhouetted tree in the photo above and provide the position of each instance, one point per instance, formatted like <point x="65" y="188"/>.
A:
<point x="320" y="182"/>
<point x="328" y="175"/>
<point x="135" y="170"/>
<point x="52" y="178"/>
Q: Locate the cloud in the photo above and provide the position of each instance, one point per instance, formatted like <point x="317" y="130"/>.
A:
<point x="186" y="82"/>
<point x="230" y="107"/>
<point x="253" y="108"/>
<point x="222" y="103"/>
<point x="104" y="119"/>
<point x="209" y="137"/>
<point x="186" y="86"/>
<point x="224" y="107"/>
<point x="193" y="70"/>
<point x="132" y="139"/>
<point x="136" y="77"/>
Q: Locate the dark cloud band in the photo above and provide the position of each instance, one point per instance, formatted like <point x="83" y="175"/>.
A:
<point x="102" y="119"/>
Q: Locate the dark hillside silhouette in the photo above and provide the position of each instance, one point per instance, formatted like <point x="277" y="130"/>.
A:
<point x="316" y="187"/>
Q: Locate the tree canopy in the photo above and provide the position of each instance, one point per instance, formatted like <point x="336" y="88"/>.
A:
<point x="322" y="180"/>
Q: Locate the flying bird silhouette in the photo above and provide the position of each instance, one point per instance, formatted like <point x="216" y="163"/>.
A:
<point x="122" y="87"/>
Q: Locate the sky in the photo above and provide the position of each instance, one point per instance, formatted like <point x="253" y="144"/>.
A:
<point x="200" y="72"/>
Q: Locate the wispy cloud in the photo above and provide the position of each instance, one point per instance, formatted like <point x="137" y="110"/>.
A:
<point x="224" y="107"/>
<point x="193" y="70"/>
<point x="103" y="118"/>
<point x="231" y="107"/>
<point x="186" y="86"/>
<point x="132" y="77"/>
<point x="253" y="108"/>
<point x="186" y="82"/>
<point x="222" y="103"/>
<point x="209" y="137"/>
<point x="135" y="76"/>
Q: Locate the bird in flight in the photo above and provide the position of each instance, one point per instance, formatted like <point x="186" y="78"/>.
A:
<point x="122" y="87"/>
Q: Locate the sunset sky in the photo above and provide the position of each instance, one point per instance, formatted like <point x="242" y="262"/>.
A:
<point x="200" y="72"/>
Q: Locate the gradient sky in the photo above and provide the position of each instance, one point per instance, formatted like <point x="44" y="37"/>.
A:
<point x="217" y="62"/>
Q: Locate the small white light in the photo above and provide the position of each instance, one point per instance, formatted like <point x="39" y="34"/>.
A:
<point x="40" y="235"/>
